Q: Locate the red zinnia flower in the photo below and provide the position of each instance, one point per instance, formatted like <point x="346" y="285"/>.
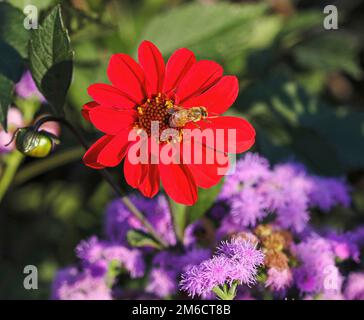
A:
<point x="141" y="93"/>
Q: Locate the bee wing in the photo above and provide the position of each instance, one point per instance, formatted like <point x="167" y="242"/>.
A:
<point x="174" y="109"/>
<point x="212" y="115"/>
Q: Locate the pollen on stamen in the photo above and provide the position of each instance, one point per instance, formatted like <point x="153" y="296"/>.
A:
<point x="154" y="109"/>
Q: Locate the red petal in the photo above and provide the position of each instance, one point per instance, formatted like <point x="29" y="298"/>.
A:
<point x="109" y="96"/>
<point x="178" y="183"/>
<point x="244" y="139"/>
<point x="218" y="98"/>
<point x="202" y="75"/>
<point x="149" y="186"/>
<point x="133" y="173"/>
<point x="110" y="120"/>
<point x="128" y="76"/>
<point x="115" y="150"/>
<point x="207" y="173"/>
<point x="151" y="60"/>
<point x="91" y="155"/>
<point x="178" y="65"/>
<point x="87" y="107"/>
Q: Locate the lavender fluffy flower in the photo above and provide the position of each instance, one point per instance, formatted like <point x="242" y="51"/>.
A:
<point x="328" y="193"/>
<point x="279" y="280"/>
<point x="162" y="282"/>
<point x="318" y="272"/>
<point x="72" y="284"/>
<point x="97" y="255"/>
<point x="248" y="207"/>
<point x="119" y="220"/>
<point x="354" y="289"/>
<point x="167" y="266"/>
<point x="245" y="258"/>
<point x="248" y="171"/>
<point x="286" y="192"/>
<point x="344" y="245"/>
<point x="26" y="88"/>
<point x="236" y="260"/>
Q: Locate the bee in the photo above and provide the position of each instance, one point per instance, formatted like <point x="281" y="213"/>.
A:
<point x="180" y="116"/>
<point x="33" y="143"/>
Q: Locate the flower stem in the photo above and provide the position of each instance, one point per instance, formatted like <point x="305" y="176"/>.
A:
<point x="41" y="166"/>
<point x="15" y="158"/>
<point x="106" y="175"/>
<point x="220" y="293"/>
<point x="232" y="290"/>
<point x="13" y="162"/>
<point x="226" y="293"/>
<point x="178" y="217"/>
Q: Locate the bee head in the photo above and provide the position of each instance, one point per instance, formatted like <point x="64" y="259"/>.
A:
<point x="204" y="113"/>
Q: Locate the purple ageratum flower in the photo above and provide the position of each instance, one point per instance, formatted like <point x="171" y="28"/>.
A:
<point x="236" y="260"/>
<point x="179" y="262"/>
<point x="279" y="280"/>
<point x="354" y="289"/>
<point x="167" y="266"/>
<point x="192" y="257"/>
<point x="193" y="281"/>
<point x="328" y="193"/>
<point x="162" y="282"/>
<point x="72" y="284"/>
<point x="249" y="170"/>
<point x="26" y="88"/>
<point x="245" y="258"/>
<point x="248" y="207"/>
<point x="119" y="220"/>
<point x="97" y="255"/>
<point x="15" y="120"/>
<point x="344" y="245"/>
<point x="317" y="272"/>
<point x="357" y="236"/>
<point x="286" y="193"/>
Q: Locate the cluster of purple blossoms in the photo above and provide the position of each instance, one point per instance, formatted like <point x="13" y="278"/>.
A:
<point x="74" y="284"/>
<point x="261" y="219"/>
<point x="90" y="279"/>
<point x="235" y="261"/>
<point x="318" y="272"/>
<point x="255" y="191"/>
<point x="97" y="256"/>
<point x="119" y="219"/>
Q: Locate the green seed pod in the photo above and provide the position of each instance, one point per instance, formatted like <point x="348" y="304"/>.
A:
<point x="37" y="144"/>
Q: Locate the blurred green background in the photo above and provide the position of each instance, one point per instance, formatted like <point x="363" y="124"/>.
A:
<point x="300" y="85"/>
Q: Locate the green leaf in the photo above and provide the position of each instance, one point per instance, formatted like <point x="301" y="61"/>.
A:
<point x="40" y="4"/>
<point x="6" y="92"/>
<point x="206" y="198"/>
<point x="179" y="217"/>
<point x="138" y="238"/>
<point x="291" y="122"/>
<point x="13" y="48"/>
<point x="338" y="51"/>
<point x="220" y="31"/>
<point x="12" y="29"/>
<point x="51" y="59"/>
